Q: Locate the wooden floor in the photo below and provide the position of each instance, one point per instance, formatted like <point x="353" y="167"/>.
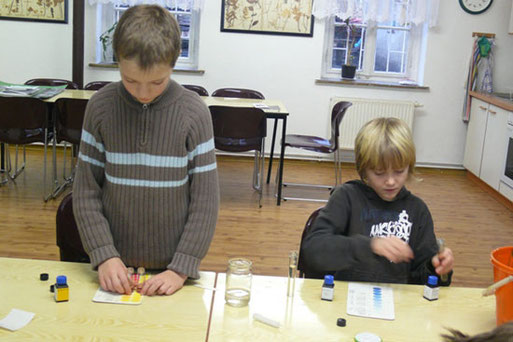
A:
<point x="471" y="221"/>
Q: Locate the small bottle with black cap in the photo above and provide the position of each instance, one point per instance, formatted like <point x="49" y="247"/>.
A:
<point x="328" y="288"/>
<point x="431" y="288"/>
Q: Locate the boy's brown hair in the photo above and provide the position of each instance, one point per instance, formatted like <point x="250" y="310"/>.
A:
<point x="149" y="34"/>
<point x="382" y="143"/>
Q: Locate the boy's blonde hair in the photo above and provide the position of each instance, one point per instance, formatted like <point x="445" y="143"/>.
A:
<point x="149" y="34"/>
<point x="382" y="143"/>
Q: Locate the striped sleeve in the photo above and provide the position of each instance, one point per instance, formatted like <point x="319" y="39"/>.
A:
<point x="87" y="191"/>
<point x="204" y="195"/>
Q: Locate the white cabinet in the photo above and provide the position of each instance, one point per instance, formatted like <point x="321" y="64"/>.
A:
<point x="475" y="136"/>
<point x="495" y="146"/>
<point x="486" y="144"/>
<point x="505" y="190"/>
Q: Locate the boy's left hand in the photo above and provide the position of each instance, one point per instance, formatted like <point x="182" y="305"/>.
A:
<point x="165" y="283"/>
<point x="443" y="261"/>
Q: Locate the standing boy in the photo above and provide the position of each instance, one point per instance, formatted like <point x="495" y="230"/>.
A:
<point x="374" y="229"/>
<point x="146" y="190"/>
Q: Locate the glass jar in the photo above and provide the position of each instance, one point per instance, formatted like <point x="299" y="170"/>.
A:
<point x="238" y="282"/>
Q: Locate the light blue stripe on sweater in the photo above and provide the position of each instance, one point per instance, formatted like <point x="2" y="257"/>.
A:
<point x="146" y="183"/>
<point x="201" y="169"/>
<point x="145" y="159"/>
<point x="202" y="149"/>
<point x="88" y="138"/>
<point x="90" y="160"/>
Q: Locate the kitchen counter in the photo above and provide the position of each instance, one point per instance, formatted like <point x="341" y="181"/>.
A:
<point x="494" y="99"/>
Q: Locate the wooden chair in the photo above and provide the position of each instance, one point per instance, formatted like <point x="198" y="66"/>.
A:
<point x="96" y="85"/>
<point x="196" y="88"/>
<point x="53" y="82"/>
<point x="68" y="237"/>
<point x="240" y="93"/>
<point x="320" y="145"/>
<point x="302" y="265"/>
<point x="68" y="120"/>
<point x="240" y="129"/>
<point x="23" y="121"/>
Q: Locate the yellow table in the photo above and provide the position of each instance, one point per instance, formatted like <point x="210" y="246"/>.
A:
<point x="181" y="317"/>
<point x="305" y="317"/>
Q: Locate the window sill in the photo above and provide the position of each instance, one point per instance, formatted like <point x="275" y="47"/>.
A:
<point x="368" y="83"/>
<point x="175" y="70"/>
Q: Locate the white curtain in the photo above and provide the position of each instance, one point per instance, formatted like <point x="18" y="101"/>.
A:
<point x="372" y="11"/>
<point x="183" y="4"/>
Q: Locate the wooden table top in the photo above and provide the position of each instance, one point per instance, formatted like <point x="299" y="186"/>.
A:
<point x="209" y="100"/>
<point x="181" y="317"/>
<point x="306" y="317"/>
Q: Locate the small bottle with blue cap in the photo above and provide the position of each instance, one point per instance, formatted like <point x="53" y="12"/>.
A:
<point x="61" y="289"/>
<point x="328" y="288"/>
<point x="431" y="288"/>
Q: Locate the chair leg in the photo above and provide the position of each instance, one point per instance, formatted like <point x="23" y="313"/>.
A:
<point x="68" y="180"/>
<point x="17" y="171"/>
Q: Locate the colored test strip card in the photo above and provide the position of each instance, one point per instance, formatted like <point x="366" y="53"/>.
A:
<point x="135" y="298"/>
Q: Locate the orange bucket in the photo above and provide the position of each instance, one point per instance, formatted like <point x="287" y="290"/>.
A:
<point x="502" y="260"/>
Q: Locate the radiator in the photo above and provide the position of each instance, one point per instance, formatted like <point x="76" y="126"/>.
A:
<point x="364" y="110"/>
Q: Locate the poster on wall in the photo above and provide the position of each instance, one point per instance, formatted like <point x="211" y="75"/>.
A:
<point x="54" y="11"/>
<point x="292" y="17"/>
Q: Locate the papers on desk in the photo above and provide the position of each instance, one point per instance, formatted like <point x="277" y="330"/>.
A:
<point x="16" y="319"/>
<point x="369" y="300"/>
<point x="21" y="90"/>
<point x="102" y="296"/>
<point x="264" y="107"/>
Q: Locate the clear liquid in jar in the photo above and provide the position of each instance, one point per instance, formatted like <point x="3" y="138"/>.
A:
<point x="237" y="297"/>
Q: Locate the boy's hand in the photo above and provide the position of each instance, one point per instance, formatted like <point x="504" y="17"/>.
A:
<point x="114" y="277"/>
<point x="443" y="261"/>
<point x="392" y="248"/>
<point x="165" y="283"/>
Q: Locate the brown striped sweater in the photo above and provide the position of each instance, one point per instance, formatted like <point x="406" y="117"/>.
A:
<point x="146" y="187"/>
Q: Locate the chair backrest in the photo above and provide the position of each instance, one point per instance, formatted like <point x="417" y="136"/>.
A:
<point x="238" y="129"/>
<point x="337" y="114"/>
<point x="196" y="88"/>
<point x="96" y="85"/>
<point x="69" y="118"/>
<point x="239" y="93"/>
<point x="302" y="265"/>
<point x="23" y="120"/>
<point x="52" y="82"/>
<point x="68" y="238"/>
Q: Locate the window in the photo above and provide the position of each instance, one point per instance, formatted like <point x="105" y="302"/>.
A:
<point x="109" y="14"/>
<point x="384" y="51"/>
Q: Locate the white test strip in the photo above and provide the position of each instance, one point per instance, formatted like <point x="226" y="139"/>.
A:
<point x="265" y="320"/>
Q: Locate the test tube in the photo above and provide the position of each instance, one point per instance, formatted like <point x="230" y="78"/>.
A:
<point x="292" y="273"/>
<point x="441" y="247"/>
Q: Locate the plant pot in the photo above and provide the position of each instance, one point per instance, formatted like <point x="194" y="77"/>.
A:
<point x="348" y="71"/>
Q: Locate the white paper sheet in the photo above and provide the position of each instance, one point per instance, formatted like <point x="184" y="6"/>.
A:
<point x="16" y="319"/>
<point x="370" y="300"/>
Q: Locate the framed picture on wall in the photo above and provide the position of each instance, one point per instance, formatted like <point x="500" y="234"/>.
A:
<point x="54" y="11"/>
<point x="293" y="17"/>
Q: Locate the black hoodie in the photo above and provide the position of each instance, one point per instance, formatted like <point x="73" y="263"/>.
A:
<point x="339" y="241"/>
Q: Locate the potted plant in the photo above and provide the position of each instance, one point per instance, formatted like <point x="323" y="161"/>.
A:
<point x="349" y="69"/>
<point x="106" y="40"/>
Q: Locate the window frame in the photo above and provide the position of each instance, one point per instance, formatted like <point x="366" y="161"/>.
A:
<point x="106" y="15"/>
<point x="416" y="51"/>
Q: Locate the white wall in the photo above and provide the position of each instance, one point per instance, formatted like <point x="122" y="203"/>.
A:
<point x="285" y="68"/>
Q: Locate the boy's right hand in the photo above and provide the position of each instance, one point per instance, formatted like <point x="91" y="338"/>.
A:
<point x="113" y="276"/>
<point x="392" y="248"/>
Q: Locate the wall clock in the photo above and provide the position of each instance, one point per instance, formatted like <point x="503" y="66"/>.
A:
<point x="475" y="6"/>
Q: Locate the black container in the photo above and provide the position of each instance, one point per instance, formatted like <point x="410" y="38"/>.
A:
<point x="348" y="71"/>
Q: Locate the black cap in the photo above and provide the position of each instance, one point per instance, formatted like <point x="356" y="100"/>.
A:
<point x="52" y="288"/>
<point x="341" y="322"/>
<point x="43" y="276"/>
